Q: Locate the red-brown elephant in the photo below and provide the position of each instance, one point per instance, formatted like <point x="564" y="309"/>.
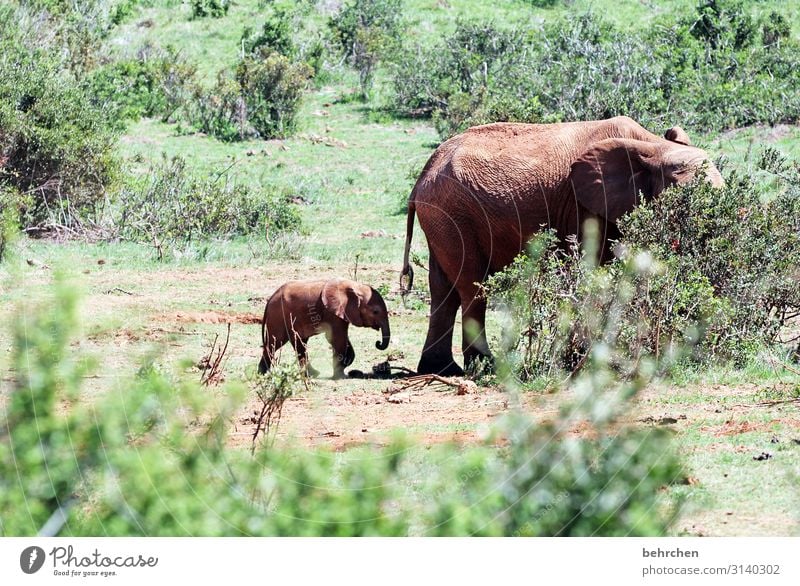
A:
<point x="484" y="193"/>
<point x="301" y="309"/>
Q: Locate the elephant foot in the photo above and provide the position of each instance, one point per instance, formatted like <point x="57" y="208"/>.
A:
<point x="479" y="364"/>
<point x="440" y="366"/>
<point x="311" y="372"/>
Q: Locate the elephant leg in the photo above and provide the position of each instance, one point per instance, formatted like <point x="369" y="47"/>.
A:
<point x="268" y="352"/>
<point x="343" y="352"/>
<point x="473" y="327"/>
<point x="437" y="355"/>
<point x="264" y="364"/>
<point x="302" y="356"/>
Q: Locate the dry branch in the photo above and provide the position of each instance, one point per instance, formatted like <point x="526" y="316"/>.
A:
<point x="416" y="383"/>
<point x="211" y="364"/>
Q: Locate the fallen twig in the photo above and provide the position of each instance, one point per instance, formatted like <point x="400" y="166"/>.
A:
<point x="462" y="386"/>
<point x="118" y="290"/>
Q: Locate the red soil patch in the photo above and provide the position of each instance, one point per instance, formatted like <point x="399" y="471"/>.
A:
<point x="733" y="428"/>
<point x="212" y="317"/>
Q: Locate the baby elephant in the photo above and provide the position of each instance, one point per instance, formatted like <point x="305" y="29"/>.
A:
<point x="301" y="309"/>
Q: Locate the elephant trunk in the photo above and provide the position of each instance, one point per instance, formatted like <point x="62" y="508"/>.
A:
<point x="385" y="335"/>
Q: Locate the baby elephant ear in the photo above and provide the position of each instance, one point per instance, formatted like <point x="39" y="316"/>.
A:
<point x="678" y="134"/>
<point x="341" y="298"/>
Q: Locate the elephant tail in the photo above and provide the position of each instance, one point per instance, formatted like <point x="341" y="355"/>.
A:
<point x="407" y="270"/>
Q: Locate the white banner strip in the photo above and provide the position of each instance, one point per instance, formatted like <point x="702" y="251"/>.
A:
<point x="408" y="561"/>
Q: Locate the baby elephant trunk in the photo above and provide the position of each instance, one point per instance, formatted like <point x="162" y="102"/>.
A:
<point x="384" y="342"/>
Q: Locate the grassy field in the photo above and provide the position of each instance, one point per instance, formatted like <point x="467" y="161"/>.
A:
<point x="352" y="191"/>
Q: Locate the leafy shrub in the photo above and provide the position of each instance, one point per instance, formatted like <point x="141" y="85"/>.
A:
<point x="261" y="99"/>
<point x="366" y="32"/>
<point x="210" y="8"/>
<point x="123" y="10"/>
<point x="728" y="255"/>
<point x="276" y="33"/>
<point x="70" y="32"/>
<point x="170" y="206"/>
<point x="539" y="291"/>
<point x="451" y="78"/>
<point x="156" y="83"/>
<point x="10" y="204"/>
<point x="52" y="451"/>
<point x="606" y="486"/>
<point x="272" y="87"/>
<point x="56" y="143"/>
<point x="81" y="465"/>
<point x="775" y="29"/>
<point x="723" y="24"/>
<point x="221" y="111"/>
<point x="715" y="269"/>
<point x="707" y="70"/>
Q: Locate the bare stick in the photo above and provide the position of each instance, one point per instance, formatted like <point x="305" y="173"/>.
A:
<point x="212" y="364"/>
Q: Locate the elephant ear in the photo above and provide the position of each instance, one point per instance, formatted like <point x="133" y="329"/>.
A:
<point x="678" y="134"/>
<point x="608" y="177"/>
<point x="342" y="299"/>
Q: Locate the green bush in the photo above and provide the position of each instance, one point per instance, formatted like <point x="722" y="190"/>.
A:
<point x="10" y="205"/>
<point x="729" y="257"/>
<point x="221" y="111"/>
<point x="451" y="79"/>
<point x="569" y="487"/>
<point x="210" y="8"/>
<point x="366" y="31"/>
<point x="276" y="33"/>
<point x="261" y="99"/>
<point x="170" y="206"/>
<point x="156" y="83"/>
<point x="72" y="32"/>
<point x="43" y="456"/>
<point x="707" y="70"/>
<point x="723" y="24"/>
<point x="715" y="269"/>
<point x="57" y="144"/>
<point x="775" y="29"/>
<point x="272" y="87"/>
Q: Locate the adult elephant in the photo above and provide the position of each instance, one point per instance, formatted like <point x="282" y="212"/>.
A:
<point x="484" y="193"/>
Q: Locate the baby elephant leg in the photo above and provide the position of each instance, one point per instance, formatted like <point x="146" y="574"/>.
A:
<point x="268" y="353"/>
<point x="264" y="364"/>
<point x="343" y="352"/>
<point x="302" y="356"/>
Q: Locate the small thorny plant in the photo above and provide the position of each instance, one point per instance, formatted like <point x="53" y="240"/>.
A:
<point x="272" y="389"/>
